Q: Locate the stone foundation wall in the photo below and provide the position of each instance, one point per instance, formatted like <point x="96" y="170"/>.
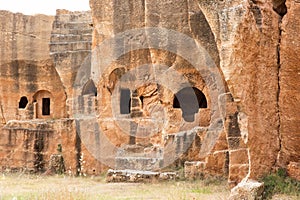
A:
<point x="29" y="145"/>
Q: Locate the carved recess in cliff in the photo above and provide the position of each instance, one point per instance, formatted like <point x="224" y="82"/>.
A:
<point x="280" y="7"/>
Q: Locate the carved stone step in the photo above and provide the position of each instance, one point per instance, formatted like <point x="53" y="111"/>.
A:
<point x="138" y="176"/>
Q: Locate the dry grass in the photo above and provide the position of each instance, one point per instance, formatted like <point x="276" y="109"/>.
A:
<point x="22" y="186"/>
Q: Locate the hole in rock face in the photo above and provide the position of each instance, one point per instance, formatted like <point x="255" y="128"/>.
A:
<point x="46" y="106"/>
<point x="189" y="99"/>
<point x="142" y="101"/>
<point x="125" y="101"/>
<point x="23" y="102"/>
<point x="280" y="7"/>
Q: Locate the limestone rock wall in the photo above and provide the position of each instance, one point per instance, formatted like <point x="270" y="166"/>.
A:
<point x="254" y="56"/>
<point x="289" y="79"/>
<point x="258" y="45"/>
<point x="33" y="81"/>
<point x="251" y="123"/>
<point x="248" y="37"/>
<point x="24" y="37"/>
<point x="153" y="114"/>
<point x="26" y="68"/>
<point x="111" y="18"/>
<point x="40" y="56"/>
<point x="70" y="45"/>
<point x="28" y="145"/>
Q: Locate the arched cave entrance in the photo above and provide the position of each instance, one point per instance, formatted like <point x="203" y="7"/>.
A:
<point x="189" y="100"/>
<point x="89" y="88"/>
<point x="87" y="101"/>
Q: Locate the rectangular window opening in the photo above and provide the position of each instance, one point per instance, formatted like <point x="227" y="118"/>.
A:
<point x="125" y="101"/>
<point x="46" y="106"/>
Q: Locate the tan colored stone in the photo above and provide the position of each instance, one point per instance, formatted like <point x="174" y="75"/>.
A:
<point x="254" y="45"/>
<point x="237" y="173"/>
<point x="238" y="157"/>
<point x="250" y="190"/>
<point x="217" y="163"/>
<point x="293" y="170"/>
<point x="289" y="95"/>
<point x="24" y="37"/>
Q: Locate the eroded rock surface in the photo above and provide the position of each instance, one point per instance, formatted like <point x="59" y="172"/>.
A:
<point x="24" y="37"/>
<point x="289" y="76"/>
<point x="152" y="85"/>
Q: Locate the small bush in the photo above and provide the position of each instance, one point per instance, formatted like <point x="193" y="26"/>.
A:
<point x="280" y="183"/>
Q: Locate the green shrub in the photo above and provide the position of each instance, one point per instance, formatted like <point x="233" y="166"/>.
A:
<point x="280" y="183"/>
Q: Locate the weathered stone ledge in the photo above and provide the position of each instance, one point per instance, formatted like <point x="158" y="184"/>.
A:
<point x="138" y="176"/>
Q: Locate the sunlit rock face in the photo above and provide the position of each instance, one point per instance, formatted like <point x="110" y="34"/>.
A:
<point x="40" y="56"/>
<point x="70" y="46"/>
<point x="144" y="84"/>
<point x="157" y="69"/>
<point x="244" y="40"/>
<point x="27" y="71"/>
<point x="289" y="75"/>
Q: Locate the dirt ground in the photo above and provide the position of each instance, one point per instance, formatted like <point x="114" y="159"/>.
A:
<point x="23" y="187"/>
<point x="15" y="187"/>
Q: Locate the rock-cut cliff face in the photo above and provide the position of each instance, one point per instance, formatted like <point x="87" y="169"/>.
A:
<point x="154" y="78"/>
<point x="27" y="73"/>
<point x="39" y="58"/>
<point x="24" y="37"/>
<point x="255" y="46"/>
<point x="289" y="83"/>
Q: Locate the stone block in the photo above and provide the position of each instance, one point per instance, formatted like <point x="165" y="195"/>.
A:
<point x="236" y="143"/>
<point x="233" y="129"/>
<point x="248" y="190"/>
<point x="293" y="170"/>
<point x="204" y="117"/>
<point x="237" y="173"/>
<point x="217" y="163"/>
<point x="239" y="157"/>
<point x="139" y="163"/>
